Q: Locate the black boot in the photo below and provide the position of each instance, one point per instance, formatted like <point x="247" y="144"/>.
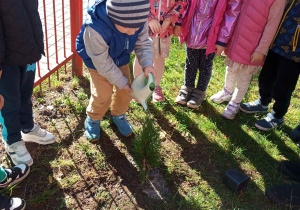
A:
<point x="287" y="196"/>
<point x="291" y="169"/>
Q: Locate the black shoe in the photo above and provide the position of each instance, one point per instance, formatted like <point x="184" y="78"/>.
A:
<point x="8" y="203"/>
<point x="295" y="134"/>
<point x="291" y="169"/>
<point x="14" y="175"/>
<point x="287" y="196"/>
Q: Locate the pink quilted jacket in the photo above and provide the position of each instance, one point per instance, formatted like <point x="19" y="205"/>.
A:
<point x="204" y="22"/>
<point x="248" y="32"/>
<point x="162" y="9"/>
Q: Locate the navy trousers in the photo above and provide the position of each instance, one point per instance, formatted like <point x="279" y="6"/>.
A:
<point x="16" y="86"/>
<point x="278" y="79"/>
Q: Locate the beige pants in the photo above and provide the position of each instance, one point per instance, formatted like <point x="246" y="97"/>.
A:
<point x="104" y="94"/>
<point x="239" y="75"/>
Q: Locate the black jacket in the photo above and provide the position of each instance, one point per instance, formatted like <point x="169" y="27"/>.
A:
<point x="21" y="34"/>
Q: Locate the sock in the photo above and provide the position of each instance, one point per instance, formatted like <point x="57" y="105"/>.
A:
<point x="27" y="130"/>
<point x="2" y="174"/>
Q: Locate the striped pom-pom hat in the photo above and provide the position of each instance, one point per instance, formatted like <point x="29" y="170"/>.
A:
<point x="128" y="13"/>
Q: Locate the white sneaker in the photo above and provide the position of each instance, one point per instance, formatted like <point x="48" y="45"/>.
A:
<point x="221" y="96"/>
<point x="18" y="153"/>
<point x="39" y="136"/>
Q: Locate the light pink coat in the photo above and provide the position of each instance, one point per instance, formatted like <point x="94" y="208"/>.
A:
<point x="249" y="30"/>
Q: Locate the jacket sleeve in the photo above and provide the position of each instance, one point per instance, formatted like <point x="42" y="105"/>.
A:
<point x="176" y="12"/>
<point x="227" y="26"/>
<point x="151" y="15"/>
<point x="143" y="48"/>
<point x="184" y="13"/>
<point x="275" y="14"/>
<point x="2" y="46"/>
<point x="98" y="50"/>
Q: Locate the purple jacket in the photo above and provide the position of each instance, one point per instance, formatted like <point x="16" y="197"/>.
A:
<point x="202" y="15"/>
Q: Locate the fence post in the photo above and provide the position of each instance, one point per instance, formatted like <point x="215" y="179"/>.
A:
<point x="76" y="18"/>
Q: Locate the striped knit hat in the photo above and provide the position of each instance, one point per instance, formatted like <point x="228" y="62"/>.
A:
<point x="128" y="13"/>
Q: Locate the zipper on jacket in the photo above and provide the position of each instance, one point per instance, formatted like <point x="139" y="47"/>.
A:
<point x="159" y="9"/>
<point x="126" y="44"/>
<point x="201" y="22"/>
<point x="282" y="20"/>
<point x="296" y="38"/>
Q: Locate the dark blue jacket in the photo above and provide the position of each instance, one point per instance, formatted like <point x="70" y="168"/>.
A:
<point x="284" y="41"/>
<point x="120" y="45"/>
<point x="21" y="34"/>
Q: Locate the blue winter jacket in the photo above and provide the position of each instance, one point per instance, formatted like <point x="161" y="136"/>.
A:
<point x="120" y="45"/>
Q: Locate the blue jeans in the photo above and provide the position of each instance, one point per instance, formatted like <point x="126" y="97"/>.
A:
<point x="16" y="86"/>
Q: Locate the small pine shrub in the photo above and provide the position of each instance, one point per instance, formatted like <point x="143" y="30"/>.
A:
<point x="146" y="148"/>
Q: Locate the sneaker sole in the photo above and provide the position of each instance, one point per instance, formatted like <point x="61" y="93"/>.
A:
<point x="228" y="118"/>
<point x="251" y="112"/>
<point x="181" y="102"/>
<point x="262" y="128"/>
<point x="219" y="102"/>
<point x="94" y="141"/>
<point x="18" y="180"/>
<point x="193" y="106"/>
<point x="40" y="142"/>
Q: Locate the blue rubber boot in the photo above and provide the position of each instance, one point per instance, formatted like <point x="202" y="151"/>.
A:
<point x="122" y="124"/>
<point x="92" y="129"/>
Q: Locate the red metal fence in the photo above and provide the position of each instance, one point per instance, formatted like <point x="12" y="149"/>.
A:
<point x="62" y="20"/>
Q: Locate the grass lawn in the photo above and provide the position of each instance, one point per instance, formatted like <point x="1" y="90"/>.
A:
<point x="197" y="148"/>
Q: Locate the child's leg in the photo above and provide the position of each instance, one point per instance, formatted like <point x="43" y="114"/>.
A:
<point x="230" y="78"/>
<point x="137" y="68"/>
<point x="267" y="77"/>
<point x="121" y="99"/>
<point x="286" y="81"/>
<point x="205" y="68"/>
<point x="101" y="92"/>
<point x="159" y="66"/>
<point x="160" y="53"/>
<point x="243" y="81"/>
<point x="191" y="66"/>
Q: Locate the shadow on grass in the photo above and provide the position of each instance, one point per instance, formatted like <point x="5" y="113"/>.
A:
<point x="131" y="177"/>
<point x="212" y="161"/>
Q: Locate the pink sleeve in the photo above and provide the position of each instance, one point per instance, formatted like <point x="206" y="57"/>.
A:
<point x="151" y="16"/>
<point x="184" y="12"/>
<point x="275" y="14"/>
<point x="176" y="11"/>
<point x="231" y="14"/>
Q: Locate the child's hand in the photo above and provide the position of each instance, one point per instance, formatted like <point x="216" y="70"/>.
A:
<point x="257" y="57"/>
<point x="165" y="25"/>
<point x="149" y="69"/>
<point x="127" y="89"/>
<point x="155" y="26"/>
<point x="219" y="49"/>
<point x="1" y="102"/>
<point x="176" y="31"/>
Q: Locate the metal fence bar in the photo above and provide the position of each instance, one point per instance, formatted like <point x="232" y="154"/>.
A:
<point x="66" y="18"/>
